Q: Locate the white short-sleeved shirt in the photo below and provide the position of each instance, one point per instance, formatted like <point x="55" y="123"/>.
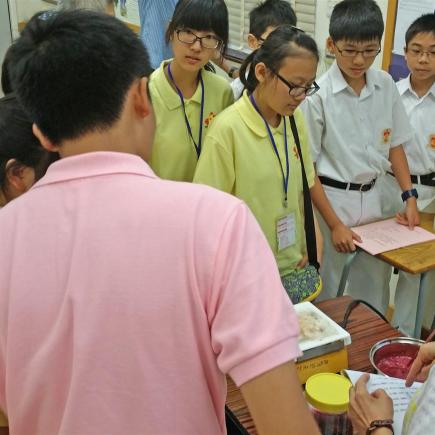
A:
<point x="420" y="150"/>
<point x="124" y="300"/>
<point x="237" y="86"/>
<point x="351" y="135"/>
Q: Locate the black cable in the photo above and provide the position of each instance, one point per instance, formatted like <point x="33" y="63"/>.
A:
<point x="352" y="306"/>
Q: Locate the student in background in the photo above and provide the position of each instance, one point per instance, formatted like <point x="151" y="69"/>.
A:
<point x="155" y="16"/>
<point x="250" y="151"/>
<point x="263" y="19"/>
<point x="418" y="96"/>
<point x="357" y="125"/>
<point x="22" y="159"/>
<point x="186" y="94"/>
<point x="120" y="293"/>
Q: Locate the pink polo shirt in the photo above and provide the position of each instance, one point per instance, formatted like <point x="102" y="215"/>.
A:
<point x="125" y="299"/>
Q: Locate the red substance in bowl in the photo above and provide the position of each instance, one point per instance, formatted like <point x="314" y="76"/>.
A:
<point x="396" y="366"/>
<point x="395" y="359"/>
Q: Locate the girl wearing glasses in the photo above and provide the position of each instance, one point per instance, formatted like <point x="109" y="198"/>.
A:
<point x="186" y="94"/>
<point x="251" y="150"/>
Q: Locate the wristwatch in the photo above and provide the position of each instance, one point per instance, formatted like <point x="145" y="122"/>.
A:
<point x="376" y="424"/>
<point x="409" y="194"/>
<point x="232" y="70"/>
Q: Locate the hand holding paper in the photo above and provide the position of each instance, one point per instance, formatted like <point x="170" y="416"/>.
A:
<point x="366" y="407"/>
<point x="394" y="388"/>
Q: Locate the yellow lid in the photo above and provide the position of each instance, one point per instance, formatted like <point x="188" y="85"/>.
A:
<point x="328" y="392"/>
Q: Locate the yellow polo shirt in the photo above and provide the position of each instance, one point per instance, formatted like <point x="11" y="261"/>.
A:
<point x="173" y="155"/>
<point x="238" y="158"/>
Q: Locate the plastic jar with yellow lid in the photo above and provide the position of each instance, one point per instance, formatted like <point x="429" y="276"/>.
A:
<point x="327" y="395"/>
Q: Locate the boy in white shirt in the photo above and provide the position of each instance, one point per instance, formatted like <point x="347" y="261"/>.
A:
<point x="417" y="92"/>
<point x="263" y="20"/>
<point x="357" y="124"/>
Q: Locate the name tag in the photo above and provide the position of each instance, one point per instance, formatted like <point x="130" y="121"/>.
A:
<point x="286" y="231"/>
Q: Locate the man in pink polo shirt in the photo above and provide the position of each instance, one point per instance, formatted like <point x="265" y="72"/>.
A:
<point x="125" y="299"/>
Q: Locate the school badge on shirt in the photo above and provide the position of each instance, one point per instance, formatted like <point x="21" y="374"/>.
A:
<point x="295" y="152"/>
<point x="209" y="119"/>
<point x="432" y="142"/>
<point x="386" y="134"/>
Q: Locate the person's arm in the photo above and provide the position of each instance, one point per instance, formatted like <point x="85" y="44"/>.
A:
<point x="399" y="166"/>
<point x="342" y="236"/>
<point x="364" y="408"/>
<point x="277" y="404"/>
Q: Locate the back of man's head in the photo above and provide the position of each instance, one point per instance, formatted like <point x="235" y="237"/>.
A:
<point x="72" y="71"/>
<point x="270" y="13"/>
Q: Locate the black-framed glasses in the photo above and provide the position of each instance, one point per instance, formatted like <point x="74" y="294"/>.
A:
<point x="417" y="53"/>
<point x="297" y="91"/>
<point x="369" y="53"/>
<point x="188" y="37"/>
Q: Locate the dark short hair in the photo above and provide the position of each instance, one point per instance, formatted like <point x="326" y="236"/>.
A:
<point x="18" y="142"/>
<point x="356" y="20"/>
<point x="285" y="41"/>
<point x="5" y="79"/>
<point x="201" y="15"/>
<point x="270" y="13"/>
<point x="72" y="71"/>
<point x="423" y="24"/>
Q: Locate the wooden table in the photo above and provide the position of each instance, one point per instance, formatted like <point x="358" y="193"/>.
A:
<point x="415" y="259"/>
<point x="365" y="328"/>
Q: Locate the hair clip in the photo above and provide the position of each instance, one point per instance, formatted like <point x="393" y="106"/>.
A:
<point x="46" y="15"/>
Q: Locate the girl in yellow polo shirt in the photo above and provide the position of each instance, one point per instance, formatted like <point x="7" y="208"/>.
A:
<point x="250" y="150"/>
<point x="186" y="95"/>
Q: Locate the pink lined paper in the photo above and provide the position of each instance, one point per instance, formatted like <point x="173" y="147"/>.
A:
<point x="387" y="235"/>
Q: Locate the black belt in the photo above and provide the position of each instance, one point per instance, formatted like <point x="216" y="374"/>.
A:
<point x="365" y="187"/>
<point x="425" y="180"/>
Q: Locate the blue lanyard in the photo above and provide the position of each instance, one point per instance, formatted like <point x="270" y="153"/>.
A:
<point x="186" y="119"/>
<point x="285" y="177"/>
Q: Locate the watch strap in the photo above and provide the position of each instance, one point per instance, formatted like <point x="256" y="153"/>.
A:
<point x="409" y="194"/>
<point x="376" y="424"/>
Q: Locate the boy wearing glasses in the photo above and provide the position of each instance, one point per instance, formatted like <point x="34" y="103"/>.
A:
<point x="417" y="92"/>
<point x="356" y="124"/>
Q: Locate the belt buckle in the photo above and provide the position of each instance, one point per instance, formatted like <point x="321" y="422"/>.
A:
<point x="370" y="185"/>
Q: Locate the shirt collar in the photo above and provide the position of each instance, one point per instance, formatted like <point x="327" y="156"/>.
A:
<point x="252" y="118"/>
<point x="405" y="85"/>
<point x="94" y="164"/>
<point x="339" y="83"/>
<point x="168" y="93"/>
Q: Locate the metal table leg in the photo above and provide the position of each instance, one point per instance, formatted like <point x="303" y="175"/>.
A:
<point x="420" y="305"/>
<point x="345" y="273"/>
